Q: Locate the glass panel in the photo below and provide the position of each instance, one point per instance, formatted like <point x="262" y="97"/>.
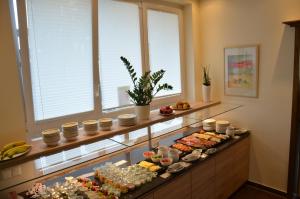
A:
<point x="119" y="35"/>
<point x="59" y="161"/>
<point x="132" y="138"/>
<point x="164" y="47"/>
<point x="171" y="125"/>
<point x="60" y="48"/>
<point x="213" y="111"/>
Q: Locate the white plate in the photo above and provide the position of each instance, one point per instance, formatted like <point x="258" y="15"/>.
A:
<point x="191" y="157"/>
<point x="175" y="168"/>
<point x="17" y="155"/>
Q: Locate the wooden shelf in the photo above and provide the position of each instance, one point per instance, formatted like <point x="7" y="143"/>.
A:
<point x="39" y="148"/>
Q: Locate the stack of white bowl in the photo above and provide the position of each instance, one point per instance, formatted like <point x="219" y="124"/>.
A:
<point x="70" y="130"/>
<point x="221" y="126"/>
<point x="209" y="124"/>
<point x="90" y="127"/>
<point x="51" y="137"/>
<point x="127" y="120"/>
<point x="105" y="124"/>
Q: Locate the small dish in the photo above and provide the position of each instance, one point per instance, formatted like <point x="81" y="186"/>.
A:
<point x="148" y="154"/>
<point x="166" y="161"/>
<point x="203" y="156"/>
<point x="191" y="157"/>
<point x="156" y="158"/>
<point x="210" y="151"/>
<point x="175" y="168"/>
<point x="197" y="151"/>
<point x="166" y="110"/>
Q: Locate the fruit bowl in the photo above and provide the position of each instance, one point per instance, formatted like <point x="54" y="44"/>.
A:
<point x="181" y="106"/>
<point x="14" y="150"/>
<point x="148" y="154"/>
<point x="166" y="110"/>
<point x="166" y="161"/>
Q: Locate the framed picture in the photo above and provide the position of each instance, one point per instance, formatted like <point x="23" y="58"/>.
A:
<point x="241" y="71"/>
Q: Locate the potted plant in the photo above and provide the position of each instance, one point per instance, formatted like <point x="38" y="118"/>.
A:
<point x="144" y="89"/>
<point x="206" y="89"/>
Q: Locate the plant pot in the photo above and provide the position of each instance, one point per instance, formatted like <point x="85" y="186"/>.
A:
<point x="142" y="112"/>
<point x="206" y="93"/>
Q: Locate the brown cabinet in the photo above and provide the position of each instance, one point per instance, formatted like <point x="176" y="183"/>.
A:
<point x="232" y="168"/>
<point x="203" y="180"/>
<point x="179" y="188"/>
<point x="216" y="178"/>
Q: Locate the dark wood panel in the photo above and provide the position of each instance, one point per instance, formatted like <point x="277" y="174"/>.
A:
<point x="179" y="188"/>
<point x="294" y="23"/>
<point x="232" y="169"/>
<point x="205" y="191"/>
<point x="203" y="180"/>
<point x="148" y="196"/>
<point x="293" y="179"/>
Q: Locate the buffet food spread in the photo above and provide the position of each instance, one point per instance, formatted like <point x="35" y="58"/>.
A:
<point x="111" y="181"/>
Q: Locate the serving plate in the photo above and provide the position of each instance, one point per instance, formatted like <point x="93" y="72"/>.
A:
<point x="180" y="109"/>
<point x="16" y="155"/>
<point x="191" y="157"/>
<point x="167" y="114"/>
<point x="175" y="168"/>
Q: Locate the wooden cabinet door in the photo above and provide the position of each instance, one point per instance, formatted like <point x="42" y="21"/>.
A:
<point x="179" y="188"/>
<point x="241" y="162"/>
<point x="203" y="180"/>
<point x="224" y="174"/>
<point x="232" y="168"/>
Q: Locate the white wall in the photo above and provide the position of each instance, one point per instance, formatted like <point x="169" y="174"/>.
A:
<point x="226" y="23"/>
<point x="12" y="121"/>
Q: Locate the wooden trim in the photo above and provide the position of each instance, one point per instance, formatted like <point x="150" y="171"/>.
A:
<point x="293" y="179"/>
<point x="40" y="149"/>
<point x="294" y="23"/>
<point x="265" y="188"/>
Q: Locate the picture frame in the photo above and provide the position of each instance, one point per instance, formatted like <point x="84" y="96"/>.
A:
<point x="241" y="71"/>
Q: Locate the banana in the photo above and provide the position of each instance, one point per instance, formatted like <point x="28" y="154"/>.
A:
<point x="12" y="145"/>
<point x="16" y="150"/>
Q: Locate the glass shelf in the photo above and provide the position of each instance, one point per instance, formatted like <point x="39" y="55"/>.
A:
<point x="213" y="111"/>
<point x="133" y="137"/>
<point x="129" y="147"/>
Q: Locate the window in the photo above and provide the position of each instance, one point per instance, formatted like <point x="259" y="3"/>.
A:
<point x="119" y="35"/>
<point x="164" y="47"/>
<point x="70" y="55"/>
<point x="60" y="53"/>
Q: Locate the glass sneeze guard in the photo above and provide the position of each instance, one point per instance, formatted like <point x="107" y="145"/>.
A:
<point x="129" y="147"/>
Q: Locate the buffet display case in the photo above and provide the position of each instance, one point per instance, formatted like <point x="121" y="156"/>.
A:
<point x="128" y="149"/>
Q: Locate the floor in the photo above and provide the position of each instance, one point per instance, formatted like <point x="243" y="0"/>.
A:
<point x="250" y="192"/>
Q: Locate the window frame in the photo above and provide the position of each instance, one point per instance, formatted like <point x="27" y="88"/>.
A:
<point x="35" y="127"/>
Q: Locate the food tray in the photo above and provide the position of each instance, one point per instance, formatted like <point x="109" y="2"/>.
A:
<point x="159" y="171"/>
<point x="17" y="155"/>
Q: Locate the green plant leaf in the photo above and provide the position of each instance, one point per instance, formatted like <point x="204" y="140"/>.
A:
<point x="146" y="86"/>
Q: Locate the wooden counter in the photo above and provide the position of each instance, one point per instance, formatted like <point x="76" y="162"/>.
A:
<point x="217" y="177"/>
<point x="40" y="149"/>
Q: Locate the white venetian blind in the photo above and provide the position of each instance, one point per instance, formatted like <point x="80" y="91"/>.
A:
<point x="164" y="47"/>
<point x="119" y="35"/>
<point x="60" y="48"/>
